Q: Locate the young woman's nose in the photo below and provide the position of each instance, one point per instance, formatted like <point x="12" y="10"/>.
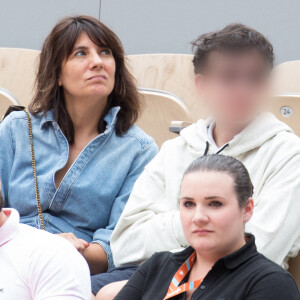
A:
<point x="200" y="216"/>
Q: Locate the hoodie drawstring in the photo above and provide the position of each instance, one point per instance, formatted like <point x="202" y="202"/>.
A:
<point x="206" y="148"/>
<point x="219" y="151"/>
<point x="225" y="146"/>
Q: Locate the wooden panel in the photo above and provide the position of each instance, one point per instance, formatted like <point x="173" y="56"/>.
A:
<point x="287" y="109"/>
<point x="295" y="269"/>
<point x="168" y="72"/>
<point x="158" y="112"/>
<point x="18" y="71"/>
<point x="287" y="77"/>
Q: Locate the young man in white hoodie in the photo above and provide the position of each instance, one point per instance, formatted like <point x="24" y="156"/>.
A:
<point x="233" y="68"/>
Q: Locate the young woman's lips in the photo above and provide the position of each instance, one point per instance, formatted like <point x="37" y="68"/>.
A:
<point x="202" y="231"/>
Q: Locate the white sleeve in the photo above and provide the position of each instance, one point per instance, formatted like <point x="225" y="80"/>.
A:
<point x="57" y="271"/>
<point x="150" y="221"/>
<point x="276" y="220"/>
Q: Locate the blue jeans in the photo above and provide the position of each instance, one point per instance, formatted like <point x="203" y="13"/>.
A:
<point x="112" y="275"/>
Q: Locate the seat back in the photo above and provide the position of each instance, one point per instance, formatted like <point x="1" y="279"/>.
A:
<point x="18" y="71"/>
<point x="287" y="78"/>
<point x="286" y="107"/>
<point x="6" y="99"/>
<point x="172" y="73"/>
<point x="158" y="111"/>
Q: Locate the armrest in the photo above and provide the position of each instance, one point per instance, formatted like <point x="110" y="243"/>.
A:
<point x="177" y="126"/>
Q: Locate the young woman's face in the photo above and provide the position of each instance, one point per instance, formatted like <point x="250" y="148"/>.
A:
<point x="89" y="71"/>
<point x="212" y="219"/>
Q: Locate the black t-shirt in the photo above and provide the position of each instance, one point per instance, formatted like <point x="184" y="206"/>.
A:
<point x="244" y="274"/>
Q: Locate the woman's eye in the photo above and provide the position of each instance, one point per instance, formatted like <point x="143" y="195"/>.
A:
<point x="80" y="53"/>
<point x="215" y="204"/>
<point x="188" y="204"/>
<point x="105" y="52"/>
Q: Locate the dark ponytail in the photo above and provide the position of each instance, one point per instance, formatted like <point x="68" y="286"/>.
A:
<point x="233" y="167"/>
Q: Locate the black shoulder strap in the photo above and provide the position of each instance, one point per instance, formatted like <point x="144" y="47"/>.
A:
<point x="13" y="108"/>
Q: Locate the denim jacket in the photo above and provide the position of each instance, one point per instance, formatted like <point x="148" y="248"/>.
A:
<point x="94" y="191"/>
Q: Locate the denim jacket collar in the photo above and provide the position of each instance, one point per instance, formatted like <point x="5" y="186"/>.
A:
<point x="110" y="118"/>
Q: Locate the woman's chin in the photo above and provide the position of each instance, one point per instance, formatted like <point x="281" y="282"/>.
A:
<point x="99" y="90"/>
<point x="203" y="246"/>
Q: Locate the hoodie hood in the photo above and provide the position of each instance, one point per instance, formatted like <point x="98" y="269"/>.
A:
<point x="265" y="127"/>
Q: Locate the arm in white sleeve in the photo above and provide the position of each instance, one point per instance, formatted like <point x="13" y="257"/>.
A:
<point x="276" y="219"/>
<point x="56" y="271"/>
<point x="150" y="221"/>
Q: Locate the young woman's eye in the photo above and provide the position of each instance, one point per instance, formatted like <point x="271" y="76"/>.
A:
<point x="215" y="204"/>
<point x="80" y="53"/>
<point x="188" y="204"/>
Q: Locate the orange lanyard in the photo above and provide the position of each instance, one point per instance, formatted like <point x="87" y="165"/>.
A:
<point x="174" y="288"/>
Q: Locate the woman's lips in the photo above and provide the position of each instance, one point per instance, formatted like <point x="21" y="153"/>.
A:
<point x="97" y="77"/>
<point x="202" y="231"/>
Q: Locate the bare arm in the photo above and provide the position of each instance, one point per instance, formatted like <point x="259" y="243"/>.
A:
<point x="94" y="254"/>
<point x="96" y="258"/>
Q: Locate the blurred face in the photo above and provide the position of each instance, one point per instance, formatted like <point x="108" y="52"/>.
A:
<point x="88" y="72"/>
<point x="235" y="86"/>
<point x="212" y="219"/>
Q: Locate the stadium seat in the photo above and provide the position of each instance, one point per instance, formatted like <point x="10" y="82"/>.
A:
<point x="172" y="73"/>
<point x="159" y="109"/>
<point x="286" y="107"/>
<point x="287" y="78"/>
<point x="18" y="71"/>
<point x="6" y="99"/>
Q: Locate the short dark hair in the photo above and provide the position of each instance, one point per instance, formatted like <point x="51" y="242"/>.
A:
<point x="57" y="47"/>
<point x="233" y="167"/>
<point x="1" y="202"/>
<point x="234" y="37"/>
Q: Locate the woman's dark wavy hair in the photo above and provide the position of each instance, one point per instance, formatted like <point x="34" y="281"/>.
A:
<point x="57" y="48"/>
<point x="233" y="167"/>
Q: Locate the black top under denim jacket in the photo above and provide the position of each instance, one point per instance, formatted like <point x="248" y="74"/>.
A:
<point x="244" y="274"/>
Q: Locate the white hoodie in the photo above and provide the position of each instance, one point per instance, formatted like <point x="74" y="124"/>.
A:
<point x="271" y="152"/>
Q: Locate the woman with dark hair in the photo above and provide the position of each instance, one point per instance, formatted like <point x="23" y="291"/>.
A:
<point x="87" y="150"/>
<point x="222" y="261"/>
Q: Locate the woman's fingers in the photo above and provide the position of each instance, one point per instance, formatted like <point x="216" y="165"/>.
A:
<point x="79" y="244"/>
<point x="85" y="243"/>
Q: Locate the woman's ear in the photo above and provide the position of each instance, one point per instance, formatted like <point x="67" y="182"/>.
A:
<point x="248" y="210"/>
<point x="59" y="82"/>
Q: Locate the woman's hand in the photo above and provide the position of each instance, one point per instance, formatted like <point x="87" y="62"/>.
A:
<point x="94" y="254"/>
<point x="79" y="244"/>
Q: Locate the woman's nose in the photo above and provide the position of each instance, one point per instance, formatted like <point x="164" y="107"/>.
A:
<point x="96" y="61"/>
<point x="200" y="217"/>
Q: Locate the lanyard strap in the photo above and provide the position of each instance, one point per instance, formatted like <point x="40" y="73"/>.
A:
<point x="174" y="288"/>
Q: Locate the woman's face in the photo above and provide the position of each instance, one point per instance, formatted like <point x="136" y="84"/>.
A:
<point x="212" y="219"/>
<point x="89" y="71"/>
